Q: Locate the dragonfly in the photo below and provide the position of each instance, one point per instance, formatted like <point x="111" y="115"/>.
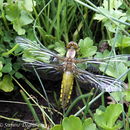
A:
<point x="67" y="66"/>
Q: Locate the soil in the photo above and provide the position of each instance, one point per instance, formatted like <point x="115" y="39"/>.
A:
<point x="22" y="112"/>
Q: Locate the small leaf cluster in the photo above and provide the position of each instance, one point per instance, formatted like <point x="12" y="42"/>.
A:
<point x="106" y="119"/>
<point x="15" y="16"/>
<point x="19" y="14"/>
<point x="112" y="9"/>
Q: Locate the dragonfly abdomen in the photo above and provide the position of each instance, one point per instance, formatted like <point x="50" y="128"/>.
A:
<point x="66" y="87"/>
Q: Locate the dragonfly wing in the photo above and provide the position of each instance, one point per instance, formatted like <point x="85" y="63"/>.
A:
<point x="41" y="58"/>
<point x="105" y="60"/>
<point x="28" y="44"/>
<point x="46" y="71"/>
<point x="104" y="83"/>
<point x="36" y="51"/>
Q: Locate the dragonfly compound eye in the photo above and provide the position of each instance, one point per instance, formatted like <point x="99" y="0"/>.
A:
<point x="72" y="45"/>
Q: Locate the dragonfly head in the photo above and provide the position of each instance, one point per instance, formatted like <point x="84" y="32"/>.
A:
<point x="72" y="45"/>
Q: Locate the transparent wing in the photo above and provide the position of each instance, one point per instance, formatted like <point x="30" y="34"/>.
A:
<point x="40" y="57"/>
<point x="104" y="83"/>
<point x="46" y="71"/>
<point x="105" y="60"/>
<point x="34" y="47"/>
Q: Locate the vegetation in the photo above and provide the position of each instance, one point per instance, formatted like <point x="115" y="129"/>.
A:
<point x="101" y="28"/>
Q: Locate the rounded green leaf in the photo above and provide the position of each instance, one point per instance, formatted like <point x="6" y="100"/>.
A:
<point x="107" y="119"/>
<point x="1" y="65"/>
<point x="12" y="12"/>
<point x="0" y="74"/>
<point x="25" y="18"/>
<point x="86" y="47"/>
<point x="18" y="75"/>
<point x="72" y="123"/>
<point x="89" y="125"/>
<point x="7" y="68"/>
<point x="57" y="127"/>
<point x="6" y="84"/>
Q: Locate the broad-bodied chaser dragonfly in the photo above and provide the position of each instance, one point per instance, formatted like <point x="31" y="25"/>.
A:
<point x="67" y="66"/>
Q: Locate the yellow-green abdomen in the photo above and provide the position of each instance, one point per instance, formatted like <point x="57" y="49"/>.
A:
<point x="66" y="87"/>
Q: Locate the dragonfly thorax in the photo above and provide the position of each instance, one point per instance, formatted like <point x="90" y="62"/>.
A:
<point x="69" y="64"/>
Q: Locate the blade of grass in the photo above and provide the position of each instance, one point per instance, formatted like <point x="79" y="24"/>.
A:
<point x="30" y="107"/>
<point x="17" y="120"/>
<point x="42" y="110"/>
<point x="75" y="102"/>
<point x="96" y="9"/>
<point x="92" y="101"/>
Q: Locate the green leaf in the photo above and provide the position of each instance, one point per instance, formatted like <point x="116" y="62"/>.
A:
<point x="114" y="69"/>
<point x="89" y="125"/>
<point x="128" y="15"/>
<point x="118" y="96"/>
<point x="122" y="41"/>
<point x="107" y="119"/>
<point x="7" y="68"/>
<point x="114" y="4"/>
<point x="110" y="26"/>
<point x="1" y="65"/>
<point x="18" y="27"/>
<point x="129" y="111"/>
<point x="57" y="127"/>
<point x="28" y="5"/>
<point x="18" y="75"/>
<point x="21" y="18"/>
<point x="1" y="74"/>
<point x="86" y="48"/>
<point x="17" y="66"/>
<point x="127" y="96"/>
<point x="25" y="19"/>
<point x="2" y="60"/>
<point x="1" y="4"/>
<point x="11" y="10"/>
<point x="129" y="79"/>
<point x="110" y="9"/>
<point x="6" y="84"/>
<point x="72" y="123"/>
<point x="99" y="17"/>
<point x="127" y="93"/>
<point x="60" y="48"/>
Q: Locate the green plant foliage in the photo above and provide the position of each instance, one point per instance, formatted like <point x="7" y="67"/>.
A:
<point x="58" y="47"/>
<point x="86" y="47"/>
<point x="6" y="84"/>
<point x="74" y="123"/>
<point x="122" y="41"/>
<point x="114" y="69"/>
<point x="1" y="66"/>
<point x="28" y="56"/>
<point x="22" y="17"/>
<point x="18" y="75"/>
<point x="111" y="8"/>
<point x="89" y="125"/>
<point x="107" y="119"/>
<point x="57" y="127"/>
<point x="54" y="24"/>
<point x="127" y="93"/>
<point x="7" y="68"/>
